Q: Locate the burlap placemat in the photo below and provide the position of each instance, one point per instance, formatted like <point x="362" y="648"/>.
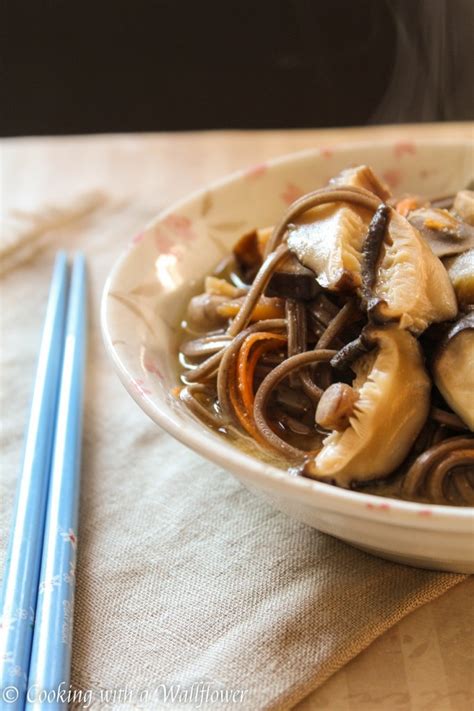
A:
<point x="190" y="591"/>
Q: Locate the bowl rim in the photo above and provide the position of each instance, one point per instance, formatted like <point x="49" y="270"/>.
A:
<point x="356" y="503"/>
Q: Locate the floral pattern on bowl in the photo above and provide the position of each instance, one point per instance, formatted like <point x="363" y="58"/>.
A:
<point x="143" y="303"/>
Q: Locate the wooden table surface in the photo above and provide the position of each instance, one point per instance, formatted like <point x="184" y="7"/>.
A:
<point x="147" y="171"/>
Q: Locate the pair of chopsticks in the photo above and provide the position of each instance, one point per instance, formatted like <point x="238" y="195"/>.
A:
<point x="39" y="577"/>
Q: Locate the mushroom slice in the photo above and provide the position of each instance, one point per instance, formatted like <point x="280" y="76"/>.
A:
<point x="453" y="369"/>
<point x="411" y="285"/>
<point x="202" y="313"/>
<point x="389" y="407"/>
<point x="464" y="206"/>
<point x="249" y="249"/>
<point x="461" y="272"/>
<point x="442" y="231"/>
<point x="362" y="177"/>
<point x="293" y="281"/>
<point x="222" y="287"/>
<point x="328" y="240"/>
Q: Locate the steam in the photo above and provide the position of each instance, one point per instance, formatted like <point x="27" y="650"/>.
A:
<point x="432" y="73"/>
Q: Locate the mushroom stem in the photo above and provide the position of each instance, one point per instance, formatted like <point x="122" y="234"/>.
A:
<point x="353" y="350"/>
<point x="336" y="407"/>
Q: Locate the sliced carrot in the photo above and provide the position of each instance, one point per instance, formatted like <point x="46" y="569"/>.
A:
<point x="407" y="204"/>
<point x="241" y="387"/>
<point x="221" y="287"/>
<point x="246" y="363"/>
<point x="242" y="415"/>
<point x="267" y="307"/>
<point x="433" y="224"/>
<point x="246" y="384"/>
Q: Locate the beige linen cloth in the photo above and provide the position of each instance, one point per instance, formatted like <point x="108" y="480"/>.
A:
<point x="184" y="577"/>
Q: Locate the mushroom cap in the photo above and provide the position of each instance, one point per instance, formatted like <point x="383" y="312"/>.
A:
<point x="442" y="231"/>
<point x="411" y="282"/>
<point x="461" y="272"/>
<point x="361" y="176"/>
<point x="202" y="313"/>
<point x="392" y="406"/>
<point x="453" y="369"/>
<point x="464" y="206"/>
<point x="328" y="240"/>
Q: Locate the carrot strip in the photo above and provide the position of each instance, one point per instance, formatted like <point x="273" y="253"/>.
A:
<point x="241" y="385"/>
<point x="407" y="204"/>
<point x="267" y="307"/>
<point x="246" y="363"/>
<point x="242" y="415"/>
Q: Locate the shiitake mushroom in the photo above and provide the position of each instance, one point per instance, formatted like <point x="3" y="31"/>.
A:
<point x="461" y="273"/>
<point x="361" y="176"/>
<point x="445" y="234"/>
<point x="453" y="368"/>
<point x="411" y="285"/>
<point x="407" y="282"/>
<point x="390" y="404"/>
<point x="464" y="206"/>
<point x="292" y="280"/>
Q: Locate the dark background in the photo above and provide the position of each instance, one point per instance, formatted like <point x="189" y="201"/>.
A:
<point x="154" y="65"/>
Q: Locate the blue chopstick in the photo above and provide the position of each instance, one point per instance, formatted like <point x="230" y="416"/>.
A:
<point x="51" y="649"/>
<point x="20" y="582"/>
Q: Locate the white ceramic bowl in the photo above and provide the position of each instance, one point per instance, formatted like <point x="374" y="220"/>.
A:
<point x="143" y="302"/>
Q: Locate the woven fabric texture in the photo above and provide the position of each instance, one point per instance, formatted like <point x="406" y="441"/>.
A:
<point x="186" y="583"/>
